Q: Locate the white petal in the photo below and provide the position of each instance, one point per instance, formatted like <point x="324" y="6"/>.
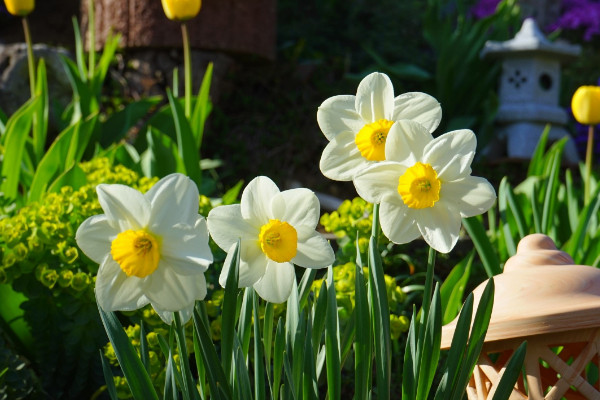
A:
<point x="314" y="251"/>
<point x="470" y="196"/>
<point x="379" y="182"/>
<point x="406" y="142"/>
<point x="439" y="227"/>
<point x="253" y="263"/>
<point x="187" y="311"/>
<point x="226" y="226"/>
<point x="418" y="107"/>
<point x="256" y="200"/>
<point x="115" y="291"/>
<point x="185" y="248"/>
<point x="297" y="207"/>
<point x="341" y="159"/>
<point x="94" y="237"/>
<point x="167" y="316"/>
<point x="375" y="98"/>
<point x="124" y="206"/>
<point x="397" y="223"/>
<point x="174" y="199"/>
<point x="451" y="154"/>
<point x="170" y="291"/>
<point x="276" y="285"/>
<point x="338" y="114"/>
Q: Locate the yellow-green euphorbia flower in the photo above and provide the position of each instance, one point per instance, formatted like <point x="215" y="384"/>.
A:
<point x="425" y="187"/>
<point x="357" y="126"/>
<point x="181" y="10"/>
<point x="20" y="8"/>
<point x="152" y="248"/>
<point x="586" y="105"/>
<point x="276" y="229"/>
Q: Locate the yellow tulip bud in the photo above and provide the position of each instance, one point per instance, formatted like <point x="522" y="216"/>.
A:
<point x="20" y="8"/>
<point x="586" y="105"/>
<point x="181" y="10"/>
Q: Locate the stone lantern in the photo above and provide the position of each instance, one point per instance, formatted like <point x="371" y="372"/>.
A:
<point x="529" y="90"/>
<point x="543" y="298"/>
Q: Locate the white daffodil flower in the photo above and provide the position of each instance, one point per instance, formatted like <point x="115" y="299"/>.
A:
<point x="152" y="248"/>
<point x="357" y="126"/>
<point x="425" y="187"/>
<point x="275" y="230"/>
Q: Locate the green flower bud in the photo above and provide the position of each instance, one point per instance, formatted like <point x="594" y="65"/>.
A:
<point x="80" y="281"/>
<point x="65" y="277"/>
<point x="20" y="251"/>
<point x="49" y="278"/>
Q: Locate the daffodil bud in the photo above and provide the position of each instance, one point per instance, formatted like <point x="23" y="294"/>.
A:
<point x="586" y="105"/>
<point x="20" y="8"/>
<point x="181" y="10"/>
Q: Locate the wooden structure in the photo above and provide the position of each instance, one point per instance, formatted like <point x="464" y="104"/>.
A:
<point x="231" y="26"/>
<point x="543" y="298"/>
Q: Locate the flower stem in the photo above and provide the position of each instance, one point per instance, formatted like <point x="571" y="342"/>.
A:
<point x="588" y="164"/>
<point x="92" y="39"/>
<point x="187" y="69"/>
<point x="375" y="226"/>
<point x="428" y="284"/>
<point x="30" y="59"/>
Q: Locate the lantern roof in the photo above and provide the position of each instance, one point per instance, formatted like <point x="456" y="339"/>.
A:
<point x="540" y="291"/>
<point x="531" y="41"/>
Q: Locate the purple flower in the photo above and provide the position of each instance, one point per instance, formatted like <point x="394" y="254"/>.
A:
<point x="484" y="8"/>
<point x="579" y="15"/>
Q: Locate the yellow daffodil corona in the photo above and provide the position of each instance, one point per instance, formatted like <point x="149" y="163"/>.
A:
<point x="181" y="10"/>
<point x="20" y="8"/>
<point x="586" y="105"/>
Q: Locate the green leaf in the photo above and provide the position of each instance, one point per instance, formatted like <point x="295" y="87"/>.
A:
<point x="228" y="316"/>
<point x="380" y="314"/>
<point x="170" y="389"/>
<point x="133" y="369"/>
<point x="202" y="107"/>
<point x="310" y="389"/>
<point x="73" y="177"/>
<point x="259" y="366"/>
<point x="108" y="55"/>
<point x="231" y="196"/>
<point x="536" y="165"/>
<point x="217" y="380"/>
<point x="108" y="378"/>
<point x="430" y="347"/>
<point x="40" y="124"/>
<point x="189" y="386"/>
<point x="144" y="347"/>
<point x="550" y="198"/>
<point x="245" y="321"/>
<point x="332" y="342"/>
<point x="305" y="286"/>
<point x="574" y="246"/>
<point x="79" y="52"/>
<point x="511" y="373"/>
<point x="362" y="345"/>
<point x="160" y="158"/>
<point x="66" y="151"/>
<point x="453" y="288"/>
<point x="412" y="357"/>
<point x="486" y="252"/>
<point x="14" y="139"/>
<point x="320" y="317"/>
<point x="241" y="380"/>
<point x="185" y="141"/>
<point x="118" y="123"/>
<point x="278" y="355"/>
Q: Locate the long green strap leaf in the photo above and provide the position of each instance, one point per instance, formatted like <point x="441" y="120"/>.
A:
<point x="229" y="313"/>
<point x="430" y="346"/>
<point x="108" y="378"/>
<point x="488" y="256"/>
<point x="137" y="378"/>
<point x="14" y="139"/>
<point x="40" y="126"/>
<point x="259" y="366"/>
<point x="362" y="345"/>
<point x="511" y="373"/>
<point x="332" y="342"/>
<point x="185" y="141"/>
<point x="202" y="107"/>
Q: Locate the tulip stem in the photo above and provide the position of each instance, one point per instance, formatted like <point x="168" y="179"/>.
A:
<point x="187" y="70"/>
<point x="30" y="59"/>
<point x="588" y="164"/>
<point x="92" y="40"/>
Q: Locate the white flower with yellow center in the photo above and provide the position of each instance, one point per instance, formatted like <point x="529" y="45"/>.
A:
<point x="357" y="126"/>
<point x="152" y="248"/>
<point x="425" y="187"/>
<point x="276" y="229"/>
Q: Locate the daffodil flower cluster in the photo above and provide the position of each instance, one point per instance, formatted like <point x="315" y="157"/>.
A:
<point x="385" y="146"/>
